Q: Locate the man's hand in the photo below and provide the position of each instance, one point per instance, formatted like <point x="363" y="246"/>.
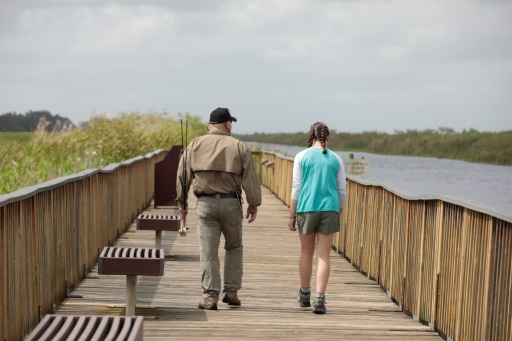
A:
<point x="251" y="216"/>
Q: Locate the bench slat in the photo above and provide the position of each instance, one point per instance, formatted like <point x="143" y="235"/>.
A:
<point x="113" y="329"/>
<point x="102" y="330"/>
<point x="136" y="330"/>
<point x="123" y="334"/>
<point x="64" y="330"/>
<point x="89" y="329"/>
<point x="52" y="328"/>
<point x="79" y="327"/>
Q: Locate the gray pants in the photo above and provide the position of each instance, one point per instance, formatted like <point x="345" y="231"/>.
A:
<point x="216" y="216"/>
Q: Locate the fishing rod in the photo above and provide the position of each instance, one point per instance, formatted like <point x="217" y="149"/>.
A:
<point x="183" y="228"/>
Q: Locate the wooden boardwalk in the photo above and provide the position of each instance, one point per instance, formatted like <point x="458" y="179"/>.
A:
<point x="357" y="308"/>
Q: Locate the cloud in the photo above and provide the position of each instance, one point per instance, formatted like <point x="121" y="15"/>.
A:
<point x="398" y="64"/>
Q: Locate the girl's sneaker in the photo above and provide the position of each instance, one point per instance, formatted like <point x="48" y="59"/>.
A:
<point x="304" y="299"/>
<point x="319" y="305"/>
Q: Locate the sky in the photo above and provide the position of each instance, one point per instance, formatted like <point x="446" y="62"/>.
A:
<point x="278" y="65"/>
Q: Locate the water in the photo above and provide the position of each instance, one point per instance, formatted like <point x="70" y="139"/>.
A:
<point x="487" y="188"/>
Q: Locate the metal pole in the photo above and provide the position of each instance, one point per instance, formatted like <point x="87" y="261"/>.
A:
<point x="131" y="294"/>
<point x="158" y="239"/>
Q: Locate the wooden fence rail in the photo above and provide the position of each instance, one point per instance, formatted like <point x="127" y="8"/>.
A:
<point x="51" y="235"/>
<point x="445" y="263"/>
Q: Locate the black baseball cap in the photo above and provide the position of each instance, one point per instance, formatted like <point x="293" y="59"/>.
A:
<point x="221" y="115"/>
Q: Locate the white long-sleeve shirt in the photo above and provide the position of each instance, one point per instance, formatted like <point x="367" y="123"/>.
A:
<point x="319" y="181"/>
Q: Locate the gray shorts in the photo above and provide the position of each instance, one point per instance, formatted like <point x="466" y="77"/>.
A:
<point x="318" y="222"/>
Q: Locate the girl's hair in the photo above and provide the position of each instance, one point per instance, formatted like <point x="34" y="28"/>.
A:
<point x="318" y="131"/>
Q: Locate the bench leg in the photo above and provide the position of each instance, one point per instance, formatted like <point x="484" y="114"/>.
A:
<point x="158" y="239"/>
<point x="131" y="294"/>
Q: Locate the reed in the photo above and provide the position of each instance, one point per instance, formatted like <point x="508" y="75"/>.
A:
<point x="100" y="142"/>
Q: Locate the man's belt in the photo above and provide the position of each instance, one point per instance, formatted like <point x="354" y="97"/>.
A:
<point x="219" y="195"/>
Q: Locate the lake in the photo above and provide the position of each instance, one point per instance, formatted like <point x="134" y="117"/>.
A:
<point x="475" y="185"/>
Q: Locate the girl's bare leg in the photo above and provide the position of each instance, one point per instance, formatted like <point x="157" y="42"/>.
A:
<point x="323" y="252"/>
<point x="307" y="250"/>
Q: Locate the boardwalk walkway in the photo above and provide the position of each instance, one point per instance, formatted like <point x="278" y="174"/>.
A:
<point x="357" y="308"/>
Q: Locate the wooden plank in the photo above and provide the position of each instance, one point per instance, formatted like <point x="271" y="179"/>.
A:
<point x="357" y="307"/>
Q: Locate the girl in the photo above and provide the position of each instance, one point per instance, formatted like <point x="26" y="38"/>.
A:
<point x="318" y="197"/>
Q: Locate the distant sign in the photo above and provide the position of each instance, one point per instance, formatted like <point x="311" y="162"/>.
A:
<point x="359" y="167"/>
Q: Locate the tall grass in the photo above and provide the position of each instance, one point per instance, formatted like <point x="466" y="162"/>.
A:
<point x="101" y="142"/>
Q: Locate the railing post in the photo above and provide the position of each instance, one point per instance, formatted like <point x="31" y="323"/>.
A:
<point x="436" y="303"/>
<point x="489" y="271"/>
<point x="403" y="294"/>
<point x="378" y="264"/>
<point x="462" y="265"/>
<point x="437" y="260"/>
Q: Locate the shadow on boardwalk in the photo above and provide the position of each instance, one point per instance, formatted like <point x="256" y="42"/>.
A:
<point x="358" y="309"/>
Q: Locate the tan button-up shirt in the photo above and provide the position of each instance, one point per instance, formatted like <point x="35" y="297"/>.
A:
<point x="218" y="163"/>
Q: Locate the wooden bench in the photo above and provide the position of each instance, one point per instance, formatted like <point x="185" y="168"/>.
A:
<point x="131" y="262"/>
<point x="83" y="327"/>
<point x="159" y="223"/>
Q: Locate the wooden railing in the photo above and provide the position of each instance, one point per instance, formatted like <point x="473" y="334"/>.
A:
<point x="444" y="263"/>
<point x="51" y="235"/>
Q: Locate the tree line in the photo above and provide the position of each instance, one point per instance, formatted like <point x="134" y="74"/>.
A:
<point x="32" y="120"/>
<point x="469" y="145"/>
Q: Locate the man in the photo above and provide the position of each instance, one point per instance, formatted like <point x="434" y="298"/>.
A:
<point x="219" y="166"/>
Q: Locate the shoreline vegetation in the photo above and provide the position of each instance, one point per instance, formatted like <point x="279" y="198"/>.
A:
<point x="469" y="145"/>
<point x="29" y="158"/>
